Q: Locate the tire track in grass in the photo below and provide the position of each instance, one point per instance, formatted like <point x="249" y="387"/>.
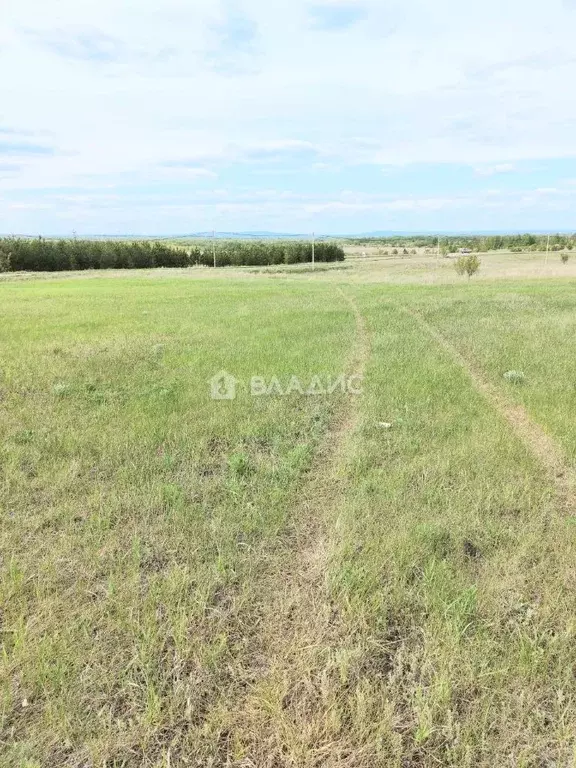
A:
<point x="281" y="721"/>
<point x="533" y="436"/>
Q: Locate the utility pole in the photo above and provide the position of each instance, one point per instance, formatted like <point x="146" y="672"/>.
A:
<point x="214" y="246"/>
<point x="313" y="248"/>
<point x="438" y="246"/>
<point x="547" y="249"/>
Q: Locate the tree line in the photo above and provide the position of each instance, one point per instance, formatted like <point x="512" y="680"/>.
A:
<point x="477" y="243"/>
<point x="42" y="255"/>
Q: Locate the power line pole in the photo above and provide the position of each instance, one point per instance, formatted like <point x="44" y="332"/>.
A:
<point x="547" y="249"/>
<point x="438" y="246"/>
<point x="313" y="248"/>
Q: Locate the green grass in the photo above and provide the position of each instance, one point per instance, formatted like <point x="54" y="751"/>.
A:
<point x="168" y="599"/>
<point x="535" y="327"/>
<point x="135" y="509"/>
<point x="451" y="568"/>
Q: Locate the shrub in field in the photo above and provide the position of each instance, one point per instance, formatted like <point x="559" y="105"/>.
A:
<point x="467" y="265"/>
<point x="565" y="257"/>
<point x="515" y="377"/>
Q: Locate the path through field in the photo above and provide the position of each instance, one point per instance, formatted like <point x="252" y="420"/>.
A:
<point x="282" y="718"/>
<point x="538" y="441"/>
<point x="383" y="580"/>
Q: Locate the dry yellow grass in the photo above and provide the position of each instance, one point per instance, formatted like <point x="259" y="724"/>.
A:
<point x="424" y="267"/>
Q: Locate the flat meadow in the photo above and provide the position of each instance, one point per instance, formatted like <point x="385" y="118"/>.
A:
<point x="307" y="574"/>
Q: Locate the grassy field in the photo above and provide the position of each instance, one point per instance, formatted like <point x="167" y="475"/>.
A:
<point x="333" y="579"/>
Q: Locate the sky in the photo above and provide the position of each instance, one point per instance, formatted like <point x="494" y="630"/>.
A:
<point x="161" y="117"/>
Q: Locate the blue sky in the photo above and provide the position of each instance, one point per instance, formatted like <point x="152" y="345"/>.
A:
<point x="338" y="116"/>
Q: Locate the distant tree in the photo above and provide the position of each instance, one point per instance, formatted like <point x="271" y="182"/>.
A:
<point x="4" y="259"/>
<point x="565" y="257"/>
<point x="467" y="265"/>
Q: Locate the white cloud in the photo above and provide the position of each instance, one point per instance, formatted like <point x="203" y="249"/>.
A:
<point x="128" y="89"/>
<point x="492" y="170"/>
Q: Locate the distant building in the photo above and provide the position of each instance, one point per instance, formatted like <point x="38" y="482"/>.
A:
<point x="465" y="250"/>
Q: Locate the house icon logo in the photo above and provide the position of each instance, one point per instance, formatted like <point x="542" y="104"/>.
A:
<point x="223" y="386"/>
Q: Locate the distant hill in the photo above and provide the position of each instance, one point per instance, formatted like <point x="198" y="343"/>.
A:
<point x="267" y="235"/>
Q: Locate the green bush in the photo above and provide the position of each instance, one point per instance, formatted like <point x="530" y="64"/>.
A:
<point x="467" y="265"/>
